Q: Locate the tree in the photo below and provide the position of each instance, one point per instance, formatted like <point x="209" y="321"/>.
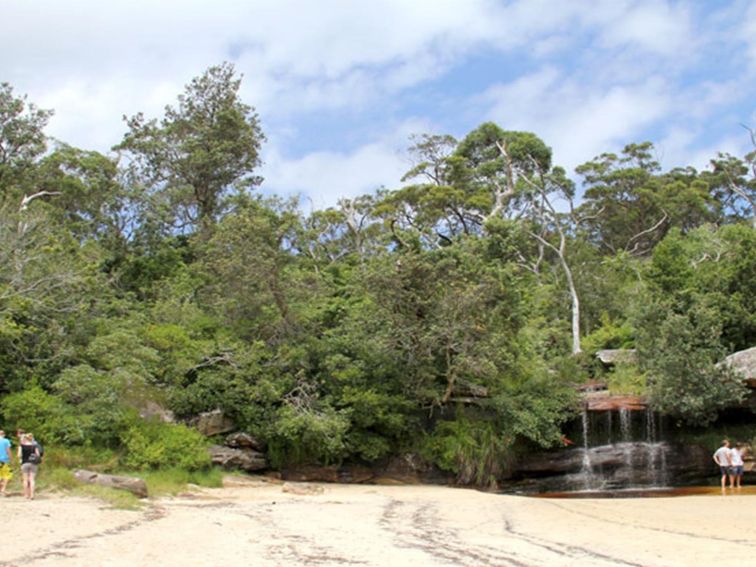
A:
<point x="200" y="150"/>
<point x="22" y="140"/>
<point x="632" y="204"/>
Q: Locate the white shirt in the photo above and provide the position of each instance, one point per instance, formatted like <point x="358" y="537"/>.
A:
<point x="736" y="459"/>
<point x="722" y="456"/>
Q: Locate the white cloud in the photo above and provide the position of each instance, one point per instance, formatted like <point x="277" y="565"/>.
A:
<point x="748" y="34"/>
<point x="659" y="27"/>
<point x="326" y="176"/>
<point x="608" y="70"/>
<point x="578" y="119"/>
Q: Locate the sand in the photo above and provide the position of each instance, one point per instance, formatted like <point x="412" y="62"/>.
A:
<point x="262" y="523"/>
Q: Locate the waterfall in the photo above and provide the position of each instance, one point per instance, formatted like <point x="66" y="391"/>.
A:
<point x="621" y="449"/>
<point x="586" y="470"/>
<point x="625" y="424"/>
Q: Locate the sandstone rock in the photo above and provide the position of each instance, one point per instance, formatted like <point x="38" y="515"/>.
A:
<point x="244" y="459"/>
<point x="134" y="485"/>
<point x="213" y="423"/>
<point x="303" y="489"/>
<point x="744" y="363"/>
<point x="241" y="440"/>
<point x="613" y="356"/>
<point x="603" y="401"/>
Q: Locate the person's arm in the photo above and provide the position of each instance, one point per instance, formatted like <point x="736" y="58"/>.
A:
<point x="10" y="454"/>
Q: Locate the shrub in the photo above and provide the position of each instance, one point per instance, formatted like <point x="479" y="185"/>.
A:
<point x="153" y="445"/>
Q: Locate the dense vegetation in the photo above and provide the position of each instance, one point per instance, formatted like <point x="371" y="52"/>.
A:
<point x="450" y="317"/>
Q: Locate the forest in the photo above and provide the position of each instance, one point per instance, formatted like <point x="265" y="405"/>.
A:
<point x="451" y="317"/>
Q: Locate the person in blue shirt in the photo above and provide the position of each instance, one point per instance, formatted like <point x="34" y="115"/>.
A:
<point x="5" y="463"/>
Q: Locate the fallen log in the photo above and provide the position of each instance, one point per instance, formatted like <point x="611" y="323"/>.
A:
<point x="136" y="486"/>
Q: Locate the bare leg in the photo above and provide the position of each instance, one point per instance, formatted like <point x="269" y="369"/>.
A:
<point x="3" y="486"/>
<point x="724" y="481"/>
<point x="31" y="485"/>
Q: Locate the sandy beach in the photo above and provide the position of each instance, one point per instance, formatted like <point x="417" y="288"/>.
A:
<point x="258" y="522"/>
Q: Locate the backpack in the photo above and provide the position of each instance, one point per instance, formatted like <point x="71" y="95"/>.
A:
<point x="36" y="458"/>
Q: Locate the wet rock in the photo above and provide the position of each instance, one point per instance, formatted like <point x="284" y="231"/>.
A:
<point x="603" y="401"/>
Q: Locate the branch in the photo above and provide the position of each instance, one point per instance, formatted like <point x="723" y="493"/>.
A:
<point x="29" y="198"/>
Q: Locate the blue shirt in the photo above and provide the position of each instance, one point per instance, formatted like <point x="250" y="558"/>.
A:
<point x="4" y="449"/>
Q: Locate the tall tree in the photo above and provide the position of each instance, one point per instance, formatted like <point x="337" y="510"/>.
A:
<point x="22" y="140"/>
<point x="206" y="145"/>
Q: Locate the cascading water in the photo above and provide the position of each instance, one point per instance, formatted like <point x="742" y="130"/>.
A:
<point x="634" y="455"/>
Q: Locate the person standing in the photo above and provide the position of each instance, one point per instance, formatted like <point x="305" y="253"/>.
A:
<point x="722" y="458"/>
<point x="736" y="461"/>
<point x="6" y="474"/>
<point x="28" y="454"/>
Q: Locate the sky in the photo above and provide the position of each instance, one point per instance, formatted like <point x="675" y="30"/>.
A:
<point x="341" y="85"/>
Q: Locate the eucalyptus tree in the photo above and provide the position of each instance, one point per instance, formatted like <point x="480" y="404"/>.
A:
<point x="22" y="141"/>
<point x="203" y="148"/>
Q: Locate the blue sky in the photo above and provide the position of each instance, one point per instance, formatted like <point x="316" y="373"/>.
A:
<point x="340" y="85"/>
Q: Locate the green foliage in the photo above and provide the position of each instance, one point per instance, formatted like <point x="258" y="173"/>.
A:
<point x="155" y="445"/>
<point x="305" y="435"/>
<point x="680" y="353"/>
<point x="474" y="450"/>
<point x="627" y="379"/>
<point x="342" y="334"/>
<point x="171" y="481"/>
<point x="46" y="416"/>
<point x="609" y="336"/>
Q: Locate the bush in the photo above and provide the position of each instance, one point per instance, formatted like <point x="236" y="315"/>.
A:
<point x="474" y="450"/>
<point x="307" y="436"/>
<point x="46" y="416"/>
<point x="154" y="445"/>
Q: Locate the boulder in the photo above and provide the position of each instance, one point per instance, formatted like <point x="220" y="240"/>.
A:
<point x="213" y="423"/>
<point x="241" y="440"/>
<point x="744" y="363"/>
<point x="245" y="459"/>
<point x="612" y="356"/>
<point x="136" y="486"/>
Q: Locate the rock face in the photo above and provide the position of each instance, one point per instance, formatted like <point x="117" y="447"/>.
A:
<point x="615" y="466"/>
<point x="134" y="485"/>
<point x="213" y="423"/>
<point x="603" y="401"/>
<point x="245" y="459"/>
<point x="744" y="363"/>
<point x="242" y="440"/>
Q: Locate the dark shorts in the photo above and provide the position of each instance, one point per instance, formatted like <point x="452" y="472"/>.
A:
<point x="737" y="471"/>
<point x="725" y="470"/>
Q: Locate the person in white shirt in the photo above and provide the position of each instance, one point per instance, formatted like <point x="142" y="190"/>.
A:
<point x="736" y="465"/>
<point x="723" y="459"/>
